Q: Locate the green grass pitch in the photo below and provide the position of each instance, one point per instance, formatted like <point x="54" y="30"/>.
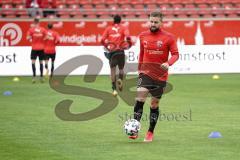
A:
<point x="30" y="130"/>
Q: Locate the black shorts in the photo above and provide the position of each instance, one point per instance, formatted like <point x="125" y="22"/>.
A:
<point x="37" y="53"/>
<point x="156" y="88"/>
<point x="50" y="56"/>
<point x="117" y="58"/>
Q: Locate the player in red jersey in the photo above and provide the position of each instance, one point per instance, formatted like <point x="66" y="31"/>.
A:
<point x="155" y="46"/>
<point x="115" y="39"/>
<point x="51" y="40"/>
<point x="36" y="36"/>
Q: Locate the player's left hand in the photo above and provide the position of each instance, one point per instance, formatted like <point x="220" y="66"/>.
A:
<point x="165" y="66"/>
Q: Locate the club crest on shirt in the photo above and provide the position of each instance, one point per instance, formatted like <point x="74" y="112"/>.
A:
<point x="145" y="44"/>
<point x="159" y="44"/>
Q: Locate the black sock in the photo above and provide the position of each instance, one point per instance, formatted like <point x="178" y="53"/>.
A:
<point x="34" y="69"/>
<point x="138" y="110"/>
<point x="41" y="69"/>
<point x="114" y="85"/>
<point x="120" y="76"/>
<point x="46" y="66"/>
<point x="52" y="69"/>
<point x="154" y="113"/>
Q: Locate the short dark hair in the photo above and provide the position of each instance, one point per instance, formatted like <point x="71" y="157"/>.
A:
<point x="117" y="19"/>
<point x="157" y="14"/>
<point x="36" y="20"/>
<point x="50" y="25"/>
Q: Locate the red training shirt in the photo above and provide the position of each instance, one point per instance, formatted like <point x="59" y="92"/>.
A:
<point x="37" y="34"/>
<point x="154" y="51"/>
<point x="114" y="36"/>
<point x="51" y="40"/>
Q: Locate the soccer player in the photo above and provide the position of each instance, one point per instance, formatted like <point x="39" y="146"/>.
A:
<point x="36" y="36"/>
<point x="115" y="39"/>
<point x="154" y="62"/>
<point x="51" y="40"/>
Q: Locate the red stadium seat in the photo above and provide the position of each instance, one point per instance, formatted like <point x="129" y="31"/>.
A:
<point x="21" y="11"/>
<point x="136" y="2"/>
<point x="96" y="2"/>
<point x="59" y="2"/>
<point x="110" y="1"/>
<point x="70" y="2"/>
<point x="200" y="1"/>
<point x="130" y="16"/>
<point x="220" y="15"/>
<point x="228" y="8"/>
<point x="6" y="2"/>
<point x="16" y="2"/>
<point x="62" y="12"/>
<point x="150" y="1"/>
<point x="174" y="1"/>
<point x="191" y="10"/>
<point x="187" y="1"/>
<point x="7" y="11"/>
<point x="139" y="7"/>
<point x="74" y="9"/>
<point x="87" y="6"/>
<point x="104" y="16"/>
<point x="207" y="16"/>
<point x="181" y="15"/>
<point x="113" y="6"/>
<point x="84" y="2"/>
<point x="123" y="2"/>
<point x="177" y="9"/>
<point x="233" y="15"/>
<point x="152" y="6"/>
<point x="216" y="9"/>
<point x="78" y="15"/>
<point x="100" y="6"/>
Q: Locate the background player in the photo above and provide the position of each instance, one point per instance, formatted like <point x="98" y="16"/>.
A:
<point x="113" y="40"/>
<point x="155" y="46"/>
<point x="36" y="36"/>
<point x="51" y="40"/>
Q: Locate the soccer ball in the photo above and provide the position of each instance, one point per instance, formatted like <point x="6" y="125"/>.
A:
<point x="132" y="127"/>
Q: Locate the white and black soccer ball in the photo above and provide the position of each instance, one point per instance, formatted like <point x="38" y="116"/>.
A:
<point x="132" y="127"/>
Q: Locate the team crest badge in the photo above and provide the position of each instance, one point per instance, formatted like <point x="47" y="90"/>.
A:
<point x="159" y="44"/>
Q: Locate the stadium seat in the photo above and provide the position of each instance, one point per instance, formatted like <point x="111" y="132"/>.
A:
<point x="177" y="9"/>
<point x="71" y="2"/>
<point x="123" y="2"/>
<point x="87" y="6"/>
<point x="150" y="1"/>
<point x="136" y="2"/>
<point x="113" y="6"/>
<point x="152" y="6"/>
<point x="96" y="2"/>
<point x="5" y="2"/>
<point x="59" y="2"/>
<point x="138" y="6"/>
<point x="200" y="1"/>
<point x="216" y="9"/>
<point x="21" y="11"/>
<point x="228" y="8"/>
<point x="17" y="2"/>
<point x="232" y="15"/>
<point x="100" y="6"/>
<point x="83" y="2"/>
<point x="7" y="11"/>
<point x="62" y="12"/>
<point x="110" y="2"/>
<point x="130" y="16"/>
<point x="74" y="9"/>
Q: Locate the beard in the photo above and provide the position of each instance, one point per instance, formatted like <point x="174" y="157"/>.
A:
<point x="154" y="29"/>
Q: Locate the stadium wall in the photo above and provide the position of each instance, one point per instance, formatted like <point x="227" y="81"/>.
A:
<point x="193" y="59"/>
<point x="206" y="46"/>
